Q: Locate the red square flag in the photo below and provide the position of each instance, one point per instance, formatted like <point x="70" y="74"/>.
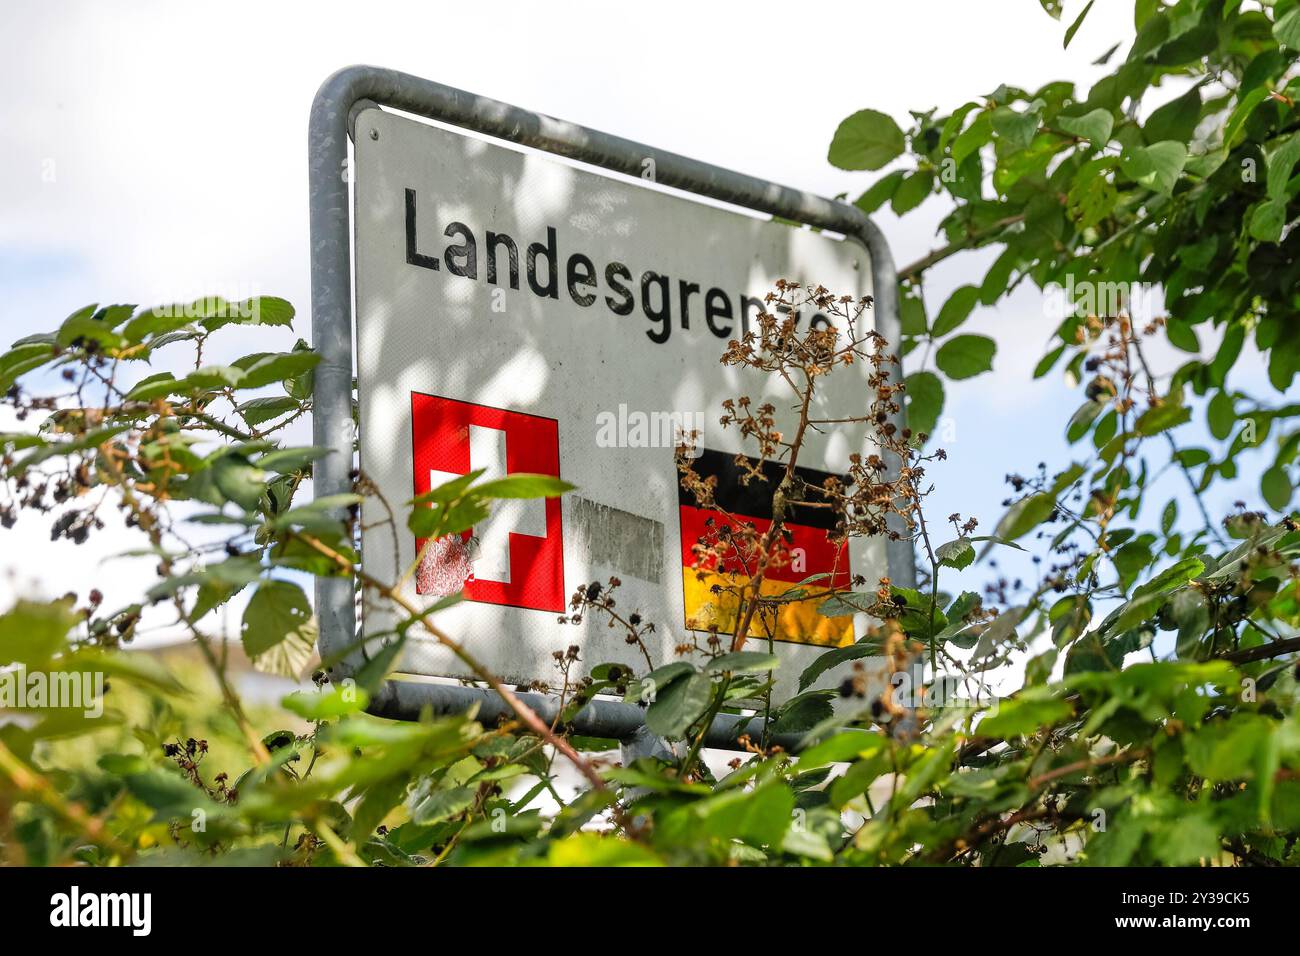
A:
<point x="516" y="556"/>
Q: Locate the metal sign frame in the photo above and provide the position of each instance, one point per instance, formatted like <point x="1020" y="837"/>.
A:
<point x="337" y="102"/>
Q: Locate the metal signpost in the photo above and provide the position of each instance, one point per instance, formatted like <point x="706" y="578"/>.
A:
<point x="518" y="313"/>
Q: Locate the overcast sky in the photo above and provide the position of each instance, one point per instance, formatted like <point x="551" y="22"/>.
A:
<point x="153" y="151"/>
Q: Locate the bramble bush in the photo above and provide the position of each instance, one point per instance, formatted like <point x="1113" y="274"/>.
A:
<point x="1156" y="718"/>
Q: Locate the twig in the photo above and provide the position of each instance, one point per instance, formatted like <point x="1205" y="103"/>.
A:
<point x="938" y="255"/>
<point x="1127" y="756"/>
<point x="1263" y="652"/>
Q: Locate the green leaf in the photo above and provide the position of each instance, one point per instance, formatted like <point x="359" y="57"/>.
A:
<point x="378" y="802"/>
<point x="315" y="513"/>
<point x="239" y="481"/>
<point x="437" y="523"/>
<point x="1157" y="167"/>
<point x="973" y="137"/>
<point x="996" y="540"/>
<point x="1267" y="220"/>
<point x="1094" y="126"/>
<point x="802" y="713"/>
<point x="153" y="322"/>
<point x="1182" y="336"/>
<point x="1287" y="29"/>
<point x="912" y="192"/>
<point x="678" y="705"/>
<point x="880" y="192"/>
<point x="212" y="376"/>
<point x="1228" y="749"/>
<point x="448" y="491"/>
<point x="842" y="748"/>
<point x="84" y="327"/>
<point x="276" y="611"/>
<point x="760" y="816"/>
<point x="122" y="765"/>
<point x="255" y="411"/>
<point x="270" y="310"/>
<point x="1160" y="418"/>
<point x="91" y="439"/>
<point x="956" y="310"/>
<point x="300" y="386"/>
<point x="833" y="658"/>
<point x="263" y="369"/>
<point x="952" y="125"/>
<point x="429" y="805"/>
<point x="1169" y="516"/>
<point x="966" y="356"/>
<point x="22" y="359"/>
<point x="1242" y="112"/>
<point x="153" y="386"/>
<point x="924" y="393"/>
<point x="452" y="508"/>
<point x="327" y="705"/>
<point x="998" y="277"/>
<point x="1176" y="120"/>
<point x="1105" y="429"/>
<point x="1025" y="515"/>
<point x="858" y="778"/>
<point x="743" y="662"/>
<point x="170" y="796"/>
<point x="1023" y="715"/>
<point x="1174" y="576"/>
<point x="958" y="553"/>
<point x="31" y="632"/>
<point x="842" y="603"/>
<point x="1229" y="351"/>
<point x="1046" y="363"/>
<point x="1074" y="27"/>
<point x="592" y="849"/>
<point x="215" y="312"/>
<point x="1187" y="841"/>
<point x="286" y="461"/>
<point x="1017" y="130"/>
<point x="1281" y="164"/>
<point x="1221" y="415"/>
<point x="523" y="485"/>
<point x="1082" y="420"/>
<point x="1276" y="487"/>
<point x="866" y="140"/>
<point x="807" y="843"/>
<point x="911" y="313"/>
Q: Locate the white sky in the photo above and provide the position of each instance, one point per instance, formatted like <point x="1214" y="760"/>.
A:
<point x="176" y="136"/>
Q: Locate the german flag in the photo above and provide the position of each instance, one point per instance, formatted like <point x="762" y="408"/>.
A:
<point x="710" y="590"/>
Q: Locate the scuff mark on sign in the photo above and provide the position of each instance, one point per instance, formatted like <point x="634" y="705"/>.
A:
<point x="629" y="543"/>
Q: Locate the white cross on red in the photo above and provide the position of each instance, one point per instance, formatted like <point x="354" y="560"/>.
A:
<point x="487" y="450"/>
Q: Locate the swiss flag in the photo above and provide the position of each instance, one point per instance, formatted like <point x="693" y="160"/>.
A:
<point x="516" y="557"/>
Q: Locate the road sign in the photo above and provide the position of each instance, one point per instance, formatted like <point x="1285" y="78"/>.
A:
<point x="516" y="313"/>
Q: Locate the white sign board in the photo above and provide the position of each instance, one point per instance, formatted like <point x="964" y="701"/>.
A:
<point x="520" y="314"/>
